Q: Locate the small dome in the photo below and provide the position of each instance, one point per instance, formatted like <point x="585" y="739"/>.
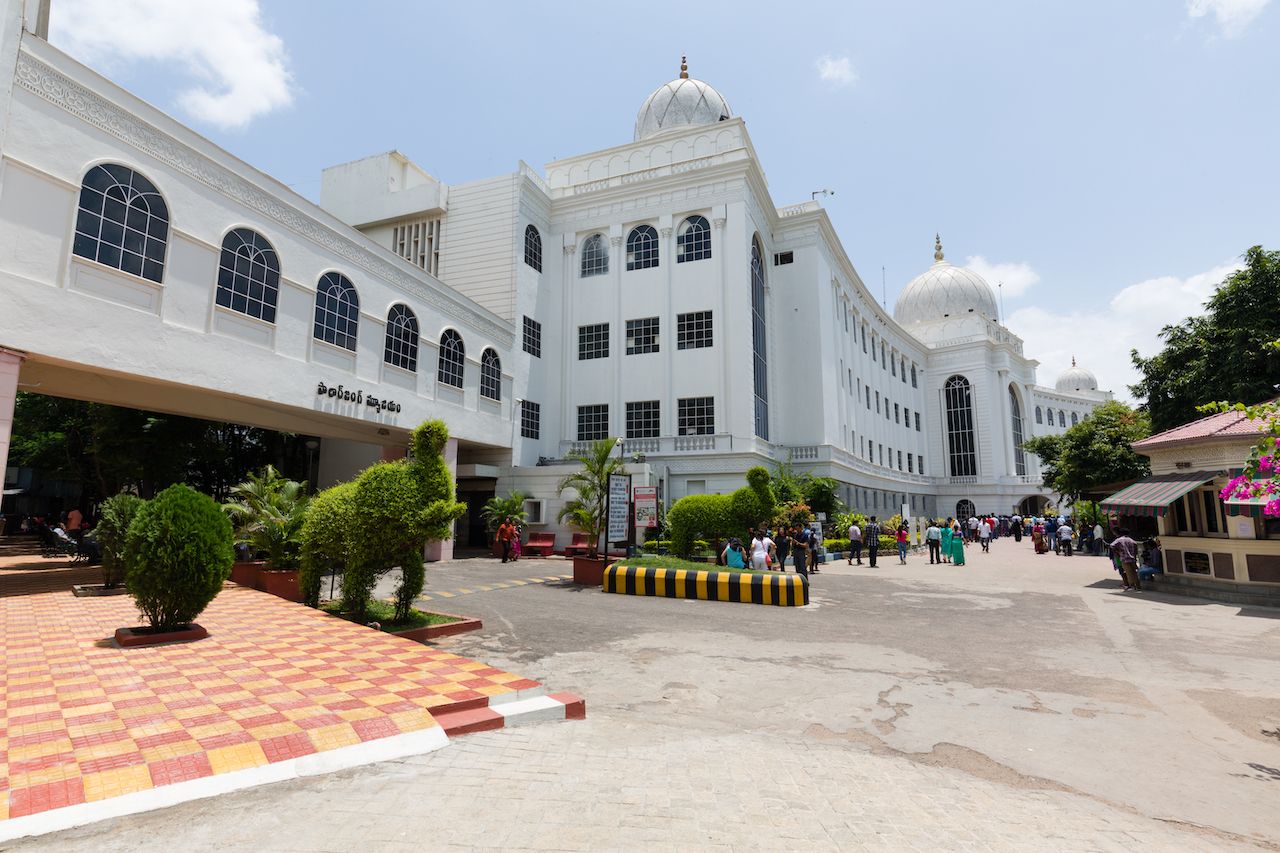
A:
<point x="1076" y="379"/>
<point x="683" y="102"/>
<point x="944" y="291"/>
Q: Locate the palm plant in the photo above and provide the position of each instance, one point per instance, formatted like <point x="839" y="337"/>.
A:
<point x="586" y="511"/>
<point x="267" y="511"/>
<point x="496" y="510"/>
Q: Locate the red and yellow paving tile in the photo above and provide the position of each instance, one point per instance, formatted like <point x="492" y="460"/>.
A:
<point x="83" y="720"/>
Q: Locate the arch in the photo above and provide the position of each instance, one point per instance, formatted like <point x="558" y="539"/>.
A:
<point x="533" y="247"/>
<point x="595" y="256"/>
<point x="693" y="240"/>
<point x="490" y="375"/>
<point x="401" y="346"/>
<point x="1075" y="418"/>
<point x="965" y="509"/>
<point x="759" y="344"/>
<point x="1039" y="415"/>
<point x="1015" y="417"/>
<point x="642" y="248"/>
<point x="248" y="275"/>
<point x="961" y="445"/>
<point x="1032" y="506"/>
<point x="122" y="221"/>
<point x="449" y="365"/>
<point x="337" y="311"/>
<point x="1062" y="418"/>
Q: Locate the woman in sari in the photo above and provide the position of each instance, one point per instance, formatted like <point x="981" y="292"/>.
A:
<point x="945" y="547"/>
<point x="957" y="547"/>
<point x="1037" y="537"/>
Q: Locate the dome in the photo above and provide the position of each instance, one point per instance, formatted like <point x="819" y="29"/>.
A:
<point x="944" y="291"/>
<point x="684" y="102"/>
<point x="1076" y="379"/>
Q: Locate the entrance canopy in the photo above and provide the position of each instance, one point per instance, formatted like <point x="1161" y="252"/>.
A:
<point x="1153" y="495"/>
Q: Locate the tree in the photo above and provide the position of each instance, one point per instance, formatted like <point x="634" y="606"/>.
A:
<point x="496" y="510"/>
<point x="1222" y="355"/>
<point x="268" y="511"/>
<point x="1093" y="452"/>
<point x="586" y="511"/>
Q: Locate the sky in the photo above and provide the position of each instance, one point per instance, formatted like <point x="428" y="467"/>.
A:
<point x="1107" y="161"/>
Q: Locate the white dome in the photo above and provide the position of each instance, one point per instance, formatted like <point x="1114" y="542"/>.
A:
<point x="1076" y="379"/>
<point x="944" y="291"/>
<point x="683" y="102"/>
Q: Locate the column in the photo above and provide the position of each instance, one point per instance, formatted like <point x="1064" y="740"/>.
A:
<point x="10" y="363"/>
<point x="443" y="549"/>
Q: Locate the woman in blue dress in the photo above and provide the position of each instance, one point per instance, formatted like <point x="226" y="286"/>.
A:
<point x="957" y="547"/>
<point x="945" y="547"/>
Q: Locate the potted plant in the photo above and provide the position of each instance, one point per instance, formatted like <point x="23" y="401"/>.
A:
<point x="586" y="511"/>
<point x="178" y="553"/>
<point x="114" y="517"/>
<point x="496" y="510"/>
<point x="268" y="511"/>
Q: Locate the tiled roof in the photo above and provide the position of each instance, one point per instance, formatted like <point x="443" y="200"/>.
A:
<point x="1221" y="425"/>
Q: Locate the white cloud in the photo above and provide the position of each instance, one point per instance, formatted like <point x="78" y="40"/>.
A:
<point x="1100" y="337"/>
<point x="836" y="70"/>
<point x="1233" y="16"/>
<point x="1016" y="278"/>
<point x="240" y="69"/>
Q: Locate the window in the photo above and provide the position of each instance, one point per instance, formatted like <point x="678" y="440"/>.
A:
<point x="642" y="419"/>
<point x="1075" y="418"/>
<point x="877" y="402"/>
<point x="595" y="256"/>
<point x="903" y="374"/>
<point x="965" y="509"/>
<point x="490" y="375"/>
<point x="881" y="446"/>
<point x="530" y="419"/>
<point x="913" y="377"/>
<point x="884" y="356"/>
<point x="873" y="348"/>
<point x="533" y="247"/>
<point x="693" y="330"/>
<point x="917" y="421"/>
<point x="864" y="338"/>
<point x="921" y="461"/>
<point x="1019" y="455"/>
<point x="693" y="240"/>
<point x="642" y="336"/>
<point x="886" y="407"/>
<point x="593" y="341"/>
<point x="780" y="258"/>
<point x="906" y="417"/>
<point x="899" y="460"/>
<point x="893" y="366"/>
<point x="1039" y="416"/>
<point x="593" y="422"/>
<point x="122" y="222"/>
<point x="401" y="345"/>
<point x="1182" y="518"/>
<point x="533" y="337"/>
<point x="1213" y="521"/>
<point x="867" y="388"/>
<point x="452" y="354"/>
<point x="1062" y="418"/>
<point x="418" y="243"/>
<point x="759" y="350"/>
<point x="897" y="414"/>
<point x="337" y="311"/>
<point x="642" y="248"/>
<point x="961" y="446"/>
<point x="911" y="463"/>
<point x="248" y="275"/>
<point x="696" y="416"/>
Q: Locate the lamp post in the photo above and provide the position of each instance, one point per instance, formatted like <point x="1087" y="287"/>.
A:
<point x="311" y="444"/>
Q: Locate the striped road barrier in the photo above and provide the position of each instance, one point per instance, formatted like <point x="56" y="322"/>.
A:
<point x="782" y="590"/>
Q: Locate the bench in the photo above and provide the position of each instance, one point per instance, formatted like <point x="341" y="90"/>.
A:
<point x="578" y="547"/>
<point x="540" y="545"/>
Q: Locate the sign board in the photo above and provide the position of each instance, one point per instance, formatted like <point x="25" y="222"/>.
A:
<point x="816" y="528"/>
<point x="646" y="498"/>
<point x="619" y="507"/>
<point x="1196" y="563"/>
<point x="1243" y="527"/>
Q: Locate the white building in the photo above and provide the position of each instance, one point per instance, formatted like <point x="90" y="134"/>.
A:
<point x="652" y="291"/>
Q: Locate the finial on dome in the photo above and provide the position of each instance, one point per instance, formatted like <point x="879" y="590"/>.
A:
<point x="937" y="247"/>
<point x="684" y="68"/>
<point x="1073" y="361"/>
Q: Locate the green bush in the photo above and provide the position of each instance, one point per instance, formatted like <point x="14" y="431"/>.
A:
<point x="325" y="547"/>
<point x="709" y="516"/>
<point x="114" y="517"/>
<point x="178" y="555"/>
<point x="754" y="504"/>
<point x="836" y="544"/>
<point x="268" y="511"/>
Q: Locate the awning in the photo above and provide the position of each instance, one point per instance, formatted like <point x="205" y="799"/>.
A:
<point x="1246" y="506"/>
<point x="1153" y="495"/>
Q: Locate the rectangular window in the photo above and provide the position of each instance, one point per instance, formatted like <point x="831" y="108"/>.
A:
<point x="917" y="421"/>
<point x="868" y="390"/>
<point x="642" y="419"/>
<point x="873" y="348"/>
<point x="1181" y="516"/>
<point x="693" y="330"/>
<point x="533" y="337"/>
<point x="1212" y="512"/>
<point x="593" y="422"/>
<point x="593" y="341"/>
<point x="904" y="371"/>
<point x="893" y="366"/>
<point x="906" y="417"/>
<point x="642" y="336"/>
<point x="864" y="339"/>
<point x="913" y="377"/>
<point x="921" y="464"/>
<point x="899" y="460"/>
<point x="696" y="416"/>
<point x="881" y="455"/>
<point x="911" y="463"/>
<point x="877" y="402"/>
<point x="897" y="414"/>
<point x="530" y="419"/>
<point x="884" y="355"/>
<point x="780" y="258"/>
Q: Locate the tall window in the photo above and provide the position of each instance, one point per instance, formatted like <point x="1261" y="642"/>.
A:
<point x="1039" y="415"/>
<point x="965" y="509"/>
<point x="452" y="355"/>
<point x="642" y="336"/>
<point x="696" y="416"/>
<point x="595" y="256"/>
<point x="1075" y="418"/>
<point x="530" y="419"/>
<point x="248" y="274"/>
<point x="642" y="248"/>
<point x="643" y="419"/>
<point x="533" y="337"/>
<point x="903" y="374"/>
<point x="693" y="330"/>
<point x="960" y="439"/>
<point x="122" y="222"/>
<point x="337" y="311"/>
<point x="693" y="240"/>
<point x="913" y="376"/>
<point x="490" y="375"/>
<point x="593" y="341"/>
<point x="1019" y="455"/>
<point x="1062" y="418"/>
<point x="759" y="351"/>
<point x="864" y="338"/>
<point x="593" y="422"/>
<point x="401" y="348"/>
<point x="533" y="247"/>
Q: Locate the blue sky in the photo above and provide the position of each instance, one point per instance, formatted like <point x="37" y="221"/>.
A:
<point x="1108" y="161"/>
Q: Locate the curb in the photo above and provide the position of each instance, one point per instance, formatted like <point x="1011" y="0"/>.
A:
<point x="779" y="589"/>
<point x="515" y="712"/>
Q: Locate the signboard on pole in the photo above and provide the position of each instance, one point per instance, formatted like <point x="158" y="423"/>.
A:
<point x="646" y="498"/>
<point x="906" y="512"/>
<point x="619" y="507"/>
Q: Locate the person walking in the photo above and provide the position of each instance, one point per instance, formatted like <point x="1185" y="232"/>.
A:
<point x="871" y="535"/>
<point x="973" y="528"/>
<point x="1098" y="539"/>
<point x="957" y="546"/>
<point x="1015" y="525"/>
<point x="1126" y="551"/>
<point x="855" y="543"/>
<point x="933" y="538"/>
<point x="1064" y="539"/>
<point x="762" y="551"/>
<point x="1051" y="533"/>
<point x="506" y="532"/>
<point x="903" y="541"/>
<point x="784" y="546"/>
<point x="946" y="534"/>
<point x="800" y="549"/>
<point x="984" y="534"/>
<point x="815" y="544"/>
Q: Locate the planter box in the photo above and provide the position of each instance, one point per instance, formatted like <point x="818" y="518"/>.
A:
<point x="282" y="583"/>
<point x="247" y="573"/>
<point x="434" y="632"/>
<point x="589" y="570"/>
<point x="142" y="636"/>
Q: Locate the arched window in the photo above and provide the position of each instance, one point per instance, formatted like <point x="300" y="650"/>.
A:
<point x="337" y="311"/>
<point x="122" y="222"/>
<point x="904" y="370"/>
<point x="965" y="509"/>
<point x="490" y="375"/>
<point x="759" y="356"/>
<point x="693" y="240"/>
<point x="248" y="275"/>
<point x="960" y="439"/>
<point x="1062" y="418"/>
<point x="401" y="348"/>
<point x="642" y="248"/>
<point x="1019" y="455"/>
<point x="1075" y="419"/>
<point x="452" y="353"/>
<point x="595" y="256"/>
<point x="913" y="377"/>
<point x="533" y="247"/>
<point x="1039" y="415"/>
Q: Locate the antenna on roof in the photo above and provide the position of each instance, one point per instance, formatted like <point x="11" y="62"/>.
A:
<point x="1000" y="287"/>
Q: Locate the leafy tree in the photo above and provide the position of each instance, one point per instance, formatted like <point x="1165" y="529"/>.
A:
<point x="586" y="511"/>
<point x="754" y="503"/>
<point x="822" y="494"/>
<point x="1222" y="355"/>
<point x="496" y="510"/>
<point x="268" y="511"/>
<point x="1093" y="452"/>
<point x="116" y="514"/>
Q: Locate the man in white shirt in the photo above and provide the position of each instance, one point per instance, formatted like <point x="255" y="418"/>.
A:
<point x="1015" y="527"/>
<point x="933" y="537"/>
<point x="1097" y="539"/>
<point x="855" y="543"/>
<point x="984" y="534"/>
<point x="1064" y="537"/>
<point x="973" y="528"/>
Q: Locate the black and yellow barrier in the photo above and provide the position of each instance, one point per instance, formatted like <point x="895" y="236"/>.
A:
<point x="783" y="590"/>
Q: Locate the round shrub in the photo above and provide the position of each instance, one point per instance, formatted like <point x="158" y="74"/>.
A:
<point x="114" y="517"/>
<point x="709" y="516"/>
<point x="178" y="555"/>
<point x="325" y="538"/>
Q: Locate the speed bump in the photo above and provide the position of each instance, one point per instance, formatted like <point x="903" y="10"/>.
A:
<point x="775" y="588"/>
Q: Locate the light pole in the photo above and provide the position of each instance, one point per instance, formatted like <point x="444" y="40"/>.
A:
<point x="515" y="413"/>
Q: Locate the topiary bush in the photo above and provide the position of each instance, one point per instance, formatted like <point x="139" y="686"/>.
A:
<point x="114" y="517"/>
<point x="325" y="547"/>
<point x="708" y="516"/>
<point x="754" y="504"/>
<point x="179" y="554"/>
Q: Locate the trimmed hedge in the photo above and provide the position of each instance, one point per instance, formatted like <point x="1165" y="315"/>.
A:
<point x="114" y="517"/>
